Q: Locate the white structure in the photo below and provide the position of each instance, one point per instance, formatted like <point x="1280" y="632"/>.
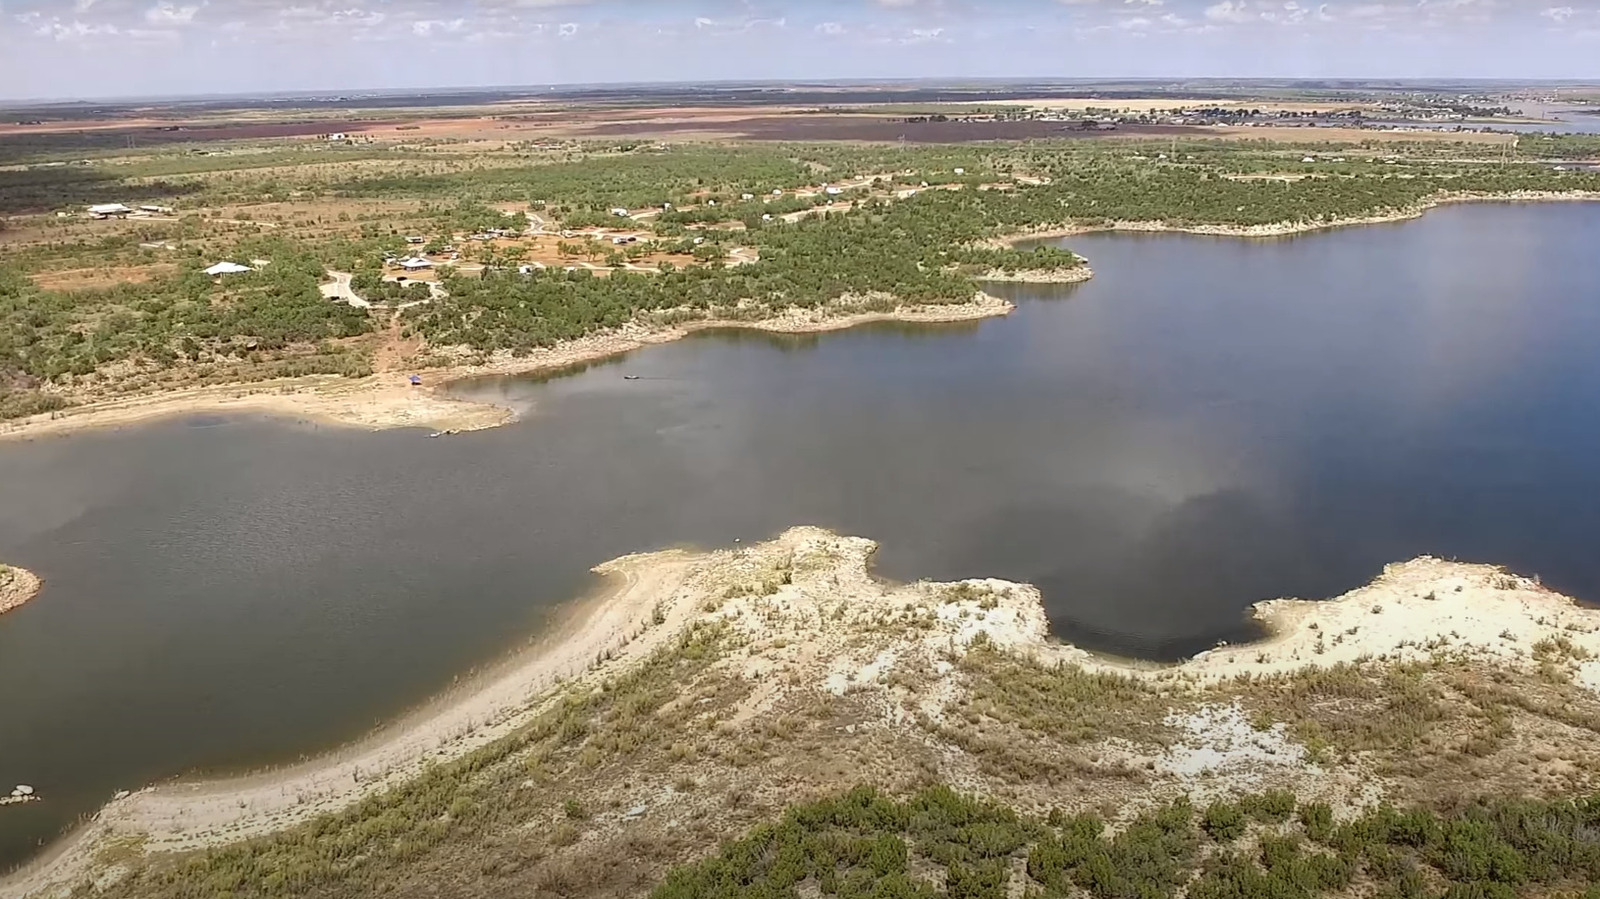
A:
<point x="747" y="196"/>
<point x="107" y="210"/>
<point x="415" y="264"/>
<point x="619" y="212"/>
<point x="961" y="171"/>
<point x="776" y="192"/>
<point x="832" y="191"/>
<point x="228" y="268"/>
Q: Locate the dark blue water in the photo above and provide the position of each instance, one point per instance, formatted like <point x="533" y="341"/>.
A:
<point x="1208" y="423"/>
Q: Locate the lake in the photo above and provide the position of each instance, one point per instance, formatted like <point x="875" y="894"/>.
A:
<point x="1207" y="423"/>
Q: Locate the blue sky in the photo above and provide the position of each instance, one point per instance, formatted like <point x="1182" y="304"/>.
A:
<point x="101" y="48"/>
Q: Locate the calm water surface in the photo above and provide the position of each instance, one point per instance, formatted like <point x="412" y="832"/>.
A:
<point x="1208" y="423"/>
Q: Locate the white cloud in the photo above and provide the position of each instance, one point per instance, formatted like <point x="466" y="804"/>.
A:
<point x="1229" y="11"/>
<point x="170" y="14"/>
<point x="427" y="27"/>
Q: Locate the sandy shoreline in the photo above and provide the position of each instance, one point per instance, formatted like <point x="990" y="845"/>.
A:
<point x="17" y="586"/>
<point x="1287" y="229"/>
<point x="387" y="401"/>
<point x="621" y="623"/>
<point x="1413" y="610"/>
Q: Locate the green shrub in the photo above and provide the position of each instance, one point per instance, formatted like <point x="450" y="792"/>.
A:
<point x="1223" y="822"/>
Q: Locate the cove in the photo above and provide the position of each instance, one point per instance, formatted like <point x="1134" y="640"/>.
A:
<point x="1208" y="423"/>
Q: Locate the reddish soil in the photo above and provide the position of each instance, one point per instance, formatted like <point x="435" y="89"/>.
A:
<point x="872" y="128"/>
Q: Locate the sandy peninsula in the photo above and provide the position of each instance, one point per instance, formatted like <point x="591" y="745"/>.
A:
<point x="389" y="401"/>
<point x="809" y="615"/>
<point x="17" y="586"/>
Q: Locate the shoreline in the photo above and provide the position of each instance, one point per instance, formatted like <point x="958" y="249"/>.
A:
<point x="619" y="622"/>
<point x="1075" y="275"/>
<point x="1289" y="229"/>
<point x="386" y="401"/>
<point x="382" y="402"/>
<point x="1427" y="606"/>
<point x="17" y="587"/>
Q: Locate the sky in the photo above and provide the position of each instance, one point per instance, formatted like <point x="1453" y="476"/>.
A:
<point x="129" y="48"/>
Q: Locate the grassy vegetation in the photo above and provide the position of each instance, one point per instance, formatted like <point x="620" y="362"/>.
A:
<point x="939" y="843"/>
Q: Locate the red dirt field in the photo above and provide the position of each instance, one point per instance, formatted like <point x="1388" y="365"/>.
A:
<point x="870" y="128"/>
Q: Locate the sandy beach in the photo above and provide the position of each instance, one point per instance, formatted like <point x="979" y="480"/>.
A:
<point x="1415" y="609"/>
<point x="389" y="401"/>
<point x="17" y="586"/>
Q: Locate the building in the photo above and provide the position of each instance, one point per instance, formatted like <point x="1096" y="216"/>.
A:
<point x="107" y="210"/>
<point x="415" y="264"/>
<point x="228" y="268"/>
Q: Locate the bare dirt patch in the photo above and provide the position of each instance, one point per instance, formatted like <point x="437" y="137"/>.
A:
<point x="102" y="276"/>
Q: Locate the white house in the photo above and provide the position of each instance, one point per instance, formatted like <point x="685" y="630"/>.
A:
<point x="228" y="268"/>
<point x="832" y="191"/>
<point x="961" y="171"/>
<point x="619" y="212"/>
<point x="747" y="196"/>
<point x="415" y="264"/>
<point x="107" y="210"/>
<point x="776" y="192"/>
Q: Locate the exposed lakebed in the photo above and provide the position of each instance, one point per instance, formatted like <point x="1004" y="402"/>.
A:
<point x="1208" y="423"/>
